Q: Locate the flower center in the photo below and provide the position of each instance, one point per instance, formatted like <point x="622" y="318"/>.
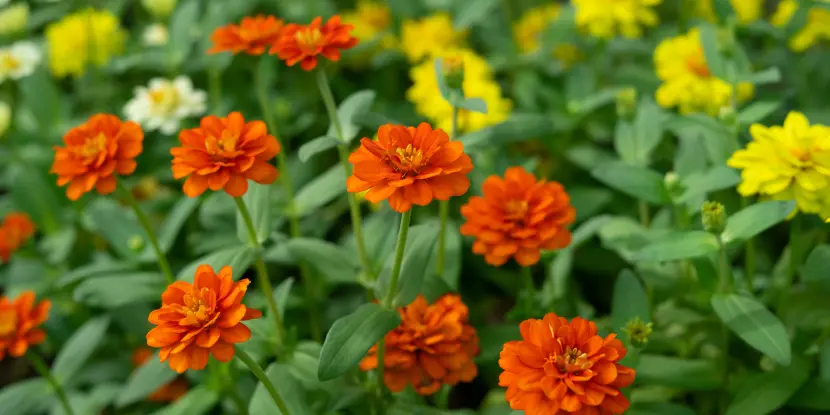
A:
<point x="8" y="63"/>
<point x="164" y="99"/>
<point x="406" y="160"/>
<point x="573" y="360"/>
<point x="91" y="148"/>
<point x="801" y="154"/>
<point x="515" y="209"/>
<point x="197" y="311"/>
<point x="8" y="322"/>
<point x="697" y="64"/>
<point x="309" y="39"/>
<point x="223" y="148"/>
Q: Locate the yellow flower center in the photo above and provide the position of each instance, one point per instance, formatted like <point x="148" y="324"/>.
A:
<point x="515" y="209"/>
<point x="164" y="99"/>
<point x="801" y="154"/>
<point x="91" y="148"/>
<point x="8" y="63"/>
<point x="309" y="39"/>
<point x="697" y="64"/>
<point x="573" y="360"/>
<point x="196" y="308"/>
<point x="409" y="159"/>
<point x="224" y="147"/>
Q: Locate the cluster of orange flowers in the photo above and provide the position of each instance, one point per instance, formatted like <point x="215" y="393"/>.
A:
<point x="19" y="323"/>
<point x="15" y="231"/>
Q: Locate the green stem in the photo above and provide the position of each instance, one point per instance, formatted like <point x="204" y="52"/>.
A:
<point x="343" y="151"/>
<point x="262" y="270"/>
<point x="724" y="274"/>
<point x="260" y="374"/>
<point x="145" y="223"/>
<point x="530" y="290"/>
<point x="444" y="208"/>
<point x="215" y="89"/>
<point x="749" y="256"/>
<point x="644" y="214"/>
<point x="43" y="371"/>
<point x="795" y="257"/>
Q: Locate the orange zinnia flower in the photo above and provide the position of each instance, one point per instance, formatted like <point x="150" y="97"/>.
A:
<point x="252" y="35"/>
<point x="15" y="230"/>
<point x="223" y="153"/>
<point x="434" y="345"/>
<point x="518" y="216"/>
<point x="166" y="393"/>
<point x="562" y="367"/>
<point x="200" y="319"/>
<point x="19" y="321"/>
<point x="94" y="152"/>
<point x="409" y="165"/>
<point x="302" y="43"/>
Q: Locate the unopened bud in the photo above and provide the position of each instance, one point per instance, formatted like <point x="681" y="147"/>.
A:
<point x="638" y="331"/>
<point x="136" y="243"/>
<point x="626" y="103"/>
<point x="713" y="217"/>
<point x="159" y="8"/>
<point x="453" y="68"/>
<point x="728" y="116"/>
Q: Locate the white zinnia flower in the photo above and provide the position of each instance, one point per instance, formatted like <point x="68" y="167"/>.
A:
<point x="155" y="35"/>
<point x="18" y="60"/>
<point x="163" y="103"/>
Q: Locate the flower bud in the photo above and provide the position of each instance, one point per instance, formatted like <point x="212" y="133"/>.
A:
<point x="159" y="8"/>
<point x="453" y="69"/>
<point x="136" y="243"/>
<point x="713" y="217"/>
<point x="5" y="117"/>
<point x="626" y="103"/>
<point x="728" y="116"/>
<point x="13" y="19"/>
<point x="638" y="332"/>
<point x="155" y="35"/>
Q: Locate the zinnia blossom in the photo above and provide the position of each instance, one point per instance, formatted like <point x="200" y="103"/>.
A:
<point x="789" y="162"/>
<point x="425" y="38"/>
<point x="199" y="319"/>
<point x="434" y="345"/>
<point x="409" y="165"/>
<point x="604" y="19"/>
<point x="169" y="392"/>
<point x="19" y="323"/>
<point x="517" y="217"/>
<point x="372" y="21"/>
<point x="303" y="43"/>
<point x="15" y="230"/>
<point x="688" y="82"/>
<point x="223" y="153"/>
<point x="530" y="27"/>
<point x="747" y="11"/>
<point x="252" y="35"/>
<point x="816" y="29"/>
<point x="87" y="37"/>
<point x="18" y="60"/>
<point x="95" y="152"/>
<point x="562" y="367"/>
<point x="163" y="103"/>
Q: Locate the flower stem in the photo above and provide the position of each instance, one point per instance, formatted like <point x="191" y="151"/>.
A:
<point x="262" y="270"/>
<point x="215" y="89"/>
<point x="260" y="374"/>
<point x="43" y="370"/>
<point x="288" y="188"/>
<point x="444" y="209"/>
<point x="749" y="256"/>
<point x="644" y="214"/>
<point x="724" y="274"/>
<point x="795" y="256"/>
<point x="145" y="223"/>
<point x="354" y="207"/>
<point x="530" y="290"/>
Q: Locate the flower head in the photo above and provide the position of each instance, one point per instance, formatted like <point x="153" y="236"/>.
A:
<point x="409" y="165"/>
<point x="789" y="162"/>
<point x="164" y="103"/>
<point x="199" y="319"/>
<point x="816" y="28"/>
<point x="747" y="11"/>
<point x="18" y="60"/>
<point x="688" y="82"/>
<point x="424" y="38"/>
<point x="87" y="37"/>
<point x="304" y="43"/>
<point x="223" y="153"/>
<point x="19" y="323"/>
<point x="604" y="19"/>
<point x="252" y="35"/>
<point x="15" y="231"/>
<point x="434" y="345"/>
<point x="561" y="367"/>
<point x="155" y="34"/>
<point x="517" y="217"/>
<point x="13" y="19"/>
<point x="95" y="152"/>
<point x="371" y="21"/>
<point x="530" y="27"/>
<point x="169" y="392"/>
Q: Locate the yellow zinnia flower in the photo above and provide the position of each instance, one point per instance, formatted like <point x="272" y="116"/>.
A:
<point x="424" y="38"/>
<point x="604" y="19"/>
<point x="371" y="20"/>
<point x="788" y="163"/>
<point x="747" y="11"/>
<point x="478" y="83"/>
<point x="529" y="29"/>
<point x="79" y="39"/>
<point x="816" y="29"/>
<point x="687" y="81"/>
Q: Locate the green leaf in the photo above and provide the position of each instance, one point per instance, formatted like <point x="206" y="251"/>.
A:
<point x="519" y="127"/>
<point x="320" y="191"/>
<point x="659" y="408"/>
<point x="824" y="362"/>
<point x="629" y="301"/>
<point x="239" y="258"/>
<point x="492" y="340"/>
<point x="196" y="401"/>
<point x="723" y="10"/>
<point x="635" y="141"/>
<point x="315" y="146"/>
<point x="58" y="246"/>
<point x="561" y="29"/>
<point x="118" y="290"/>
<point x="817" y="266"/>
<point x="102" y="213"/>
<point x="351" y="337"/>
<point x="32" y="193"/>
<point x="94" y="269"/>
<point x="75" y="352"/>
<point x="40" y="96"/>
<point x="757" y="111"/>
<point x="755" y="219"/>
<point x="23" y="397"/>
<point x="420" y="243"/>
<point x="171" y="226"/>
<point x="767" y="76"/>
<point x="286" y="385"/>
<point x="438" y="67"/>
<point x="334" y="262"/>
<point x="767" y="392"/>
<point x="258" y="201"/>
<point x="637" y="182"/>
<point x="144" y="380"/>
<point x="281" y="294"/>
<point x="756" y="325"/>
<point x="355" y="104"/>
<point x="474" y="104"/>
<point x="452" y="256"/>
<point x="714" y="135"/>
<point x="711" y="50"/>
<point x="182" y="24"/>
<point x="678" y="245"/>
<point x="815" y="395"/>
<point x="678" y="373"/>
<point x="472" y="12"/>
<point x="593" y="101"/>
<point x="716" y="178"/>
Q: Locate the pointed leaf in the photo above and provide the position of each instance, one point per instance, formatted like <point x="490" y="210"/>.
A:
<point x="288" y="388"/>
<point x="74" y="354"/>
<point x="767" y="392"/>
<point x="637" y="182"/>
<point x="315" y="146"/>
<point x="678" y="245"/>
<point x="334" y="262"/>
<point x="678" y="373"/>
<point x="755" y="219"/>
<point x="320" y="191"/>
<point x="355" y="104"/>
<point x="420" y="243"/>
<point x="629" y="301"/>
<point x="144" y="380"/>
<point x="258" y="201"/>
<point x="756" y="325"/>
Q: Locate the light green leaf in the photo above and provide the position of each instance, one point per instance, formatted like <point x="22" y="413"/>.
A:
<point x="94" y="269"/>
<point x="58" y="246"/>
<point x="711" y="50"/>
<point x="334" y="262"/>
<point x="320" y="191"/>
<point x="239" y="258"/>
<point x="755" y="219"/>
<point x="765" y="393"/>
<point x="637" y="182"/>
<point x="118" y="290"/>
<point x="32" y="193"/>
<point x="75" y="352"/>
<point x="355" y="104"/>
<point x="593" y="101"/>
<point x="258" y="201"/>
<point x="41" y="96"/>
<point x="144" y="380"/>
<point x="767" y="76"/>
<point x="473" y="11"/>
<point x="678" y="373"/>
<point x="420" y="243"/>
<point x="519" y="127"/>
<point x="315" y="146"/>
<point x="351" y="337"/>
<point x="287" y="387"/>
<point x="756" y="325"/>
<point x="169" y="229"/>
<point x="182" y="24"/>
<point x="474" y="105"/>
<point x="757" y="111"/>
<point x="23" y="397"/>
<point x="281" y="294"/>
<point x="817" y="266"/>
<point x="678" y="245"/>
<point x="452" y="256"/>
<point x="102" y="213"/>
<point x="196" y="401"/>
<point x="715" y="137"/>
<point x="701" y="183"/>
<point x="629" y="301"/>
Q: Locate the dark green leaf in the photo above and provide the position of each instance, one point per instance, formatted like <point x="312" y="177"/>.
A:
<point x="320" y="191"/>
<point x="766" y="392"/>
<point x="452" y="256"/>
<point x="519" y="127"/>
<point x="258" y="201"/>
<point x="287" y="387"/>
<point x="817" y="267"/>
<point x="144" y="380"/>
<point x="94" y="269"/>
<point x="678" y="373"/>
<point x="196" y="401"/>
<point x="756" y="325"/>
<point x="824" y="362"/>
<point x="659" y="408"/>
<point x="351" y="337"/>
<point x="755" y="219"/>
<point x="239" y="258"/>
<point x="596" y="100"/>
<point x="637" y="182"/>
<point x="83" y="343"/>
<point x="492" y="340"/>
<point x="757" y="111"/>
<point x="334" y="262"/>
<point x="43" y="99"/>
<point x="629" y="301"/>
<point x="815" y="395"/>
<point x="678" y="245"/>
<point x="315" y="146"/>
<point x="355" y="104"/>
<point x="420" y="243"/>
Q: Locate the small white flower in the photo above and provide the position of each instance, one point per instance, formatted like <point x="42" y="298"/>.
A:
<point x="18" y="60"/>
<point x="155" y="35"/>
<point x="164" y="103"/>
